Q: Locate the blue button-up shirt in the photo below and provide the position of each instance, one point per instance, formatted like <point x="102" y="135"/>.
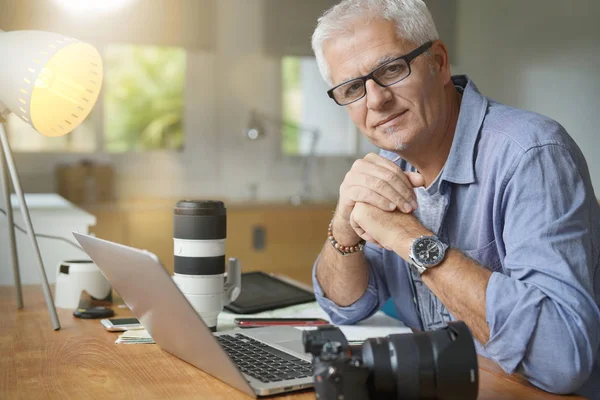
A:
<point x="516" y="196"/>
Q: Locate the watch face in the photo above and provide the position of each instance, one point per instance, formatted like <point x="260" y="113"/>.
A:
<point x="427" y="251"/>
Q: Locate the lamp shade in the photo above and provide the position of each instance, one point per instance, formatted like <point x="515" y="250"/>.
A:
<point x="49" y="80"/>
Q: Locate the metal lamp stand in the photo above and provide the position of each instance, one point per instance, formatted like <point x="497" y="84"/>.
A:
<point x="6" y="160"/>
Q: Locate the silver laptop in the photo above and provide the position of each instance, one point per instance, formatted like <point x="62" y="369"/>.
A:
<point x="257" y="361"/>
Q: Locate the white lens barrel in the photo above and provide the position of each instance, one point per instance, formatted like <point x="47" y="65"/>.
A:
<point x="206" y="303"/>
<point x="210" y="319"/>
<point x="199" y="232"/>
<point x="199" y="284"/>
<point x="199" y="248"/>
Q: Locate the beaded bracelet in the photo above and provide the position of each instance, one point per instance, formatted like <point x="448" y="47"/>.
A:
<point x="344" y="250"/>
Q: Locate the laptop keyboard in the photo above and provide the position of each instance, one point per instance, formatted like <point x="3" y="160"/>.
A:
<point x="263" y="362"/>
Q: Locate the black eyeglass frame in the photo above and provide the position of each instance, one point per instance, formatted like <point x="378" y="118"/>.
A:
<point x="408" y="58"/>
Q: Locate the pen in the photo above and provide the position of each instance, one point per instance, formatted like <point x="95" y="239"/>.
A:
<point x="258" y="322"/>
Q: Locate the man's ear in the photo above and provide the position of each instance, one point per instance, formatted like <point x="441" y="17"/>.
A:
<point x="441" y="61"/>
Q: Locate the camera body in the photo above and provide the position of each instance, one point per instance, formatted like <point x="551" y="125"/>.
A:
<point x="439" y="364"/>
<point x="336" y="372"/>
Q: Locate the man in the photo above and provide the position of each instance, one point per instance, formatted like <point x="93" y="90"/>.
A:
<point x="502" y="197"/>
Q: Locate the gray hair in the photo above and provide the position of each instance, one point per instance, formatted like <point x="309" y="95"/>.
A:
<point x="412" y="18"/>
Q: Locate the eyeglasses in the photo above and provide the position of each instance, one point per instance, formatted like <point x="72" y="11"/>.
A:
<point x="385" y="75"/>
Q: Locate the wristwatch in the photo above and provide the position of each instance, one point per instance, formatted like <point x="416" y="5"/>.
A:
<point x="426" y="252"/>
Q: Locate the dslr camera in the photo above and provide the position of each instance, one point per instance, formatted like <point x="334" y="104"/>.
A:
<point x="440" y="364"/>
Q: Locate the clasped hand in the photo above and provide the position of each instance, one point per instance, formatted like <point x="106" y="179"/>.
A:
<point x="377" y="199"/>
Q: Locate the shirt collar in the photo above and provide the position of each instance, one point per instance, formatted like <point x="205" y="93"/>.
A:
<point x="460" y="165"/>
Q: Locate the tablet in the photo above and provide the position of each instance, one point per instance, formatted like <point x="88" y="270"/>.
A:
<point x="262" y="292"/>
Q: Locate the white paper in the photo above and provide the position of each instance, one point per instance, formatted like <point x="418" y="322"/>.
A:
<point x="377" y="325"/>
<point x="135" y="336"/>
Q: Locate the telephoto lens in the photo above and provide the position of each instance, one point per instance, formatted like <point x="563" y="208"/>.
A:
<point x="199" y="233"/>
<point x="439" y="364"/>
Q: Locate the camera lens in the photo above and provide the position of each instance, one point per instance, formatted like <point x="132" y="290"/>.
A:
<point x="440" y="364"/>
<point x="199" y="233"/>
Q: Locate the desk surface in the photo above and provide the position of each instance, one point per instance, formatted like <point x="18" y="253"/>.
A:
<point x="82" y="361"/>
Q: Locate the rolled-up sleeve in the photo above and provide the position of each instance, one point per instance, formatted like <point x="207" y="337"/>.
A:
<point x="543" y="319"/>
<point x="372" y="299"/>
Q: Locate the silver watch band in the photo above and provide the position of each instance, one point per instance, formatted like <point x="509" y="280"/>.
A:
<point x="420" y="268"/>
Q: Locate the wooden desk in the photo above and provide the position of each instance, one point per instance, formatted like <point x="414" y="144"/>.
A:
<point x="81" y="361"/>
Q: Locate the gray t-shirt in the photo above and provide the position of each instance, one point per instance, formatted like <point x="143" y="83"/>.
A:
<point x="431" y="211"/>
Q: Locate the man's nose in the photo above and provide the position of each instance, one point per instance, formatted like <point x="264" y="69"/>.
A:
<point x="377" y="96"/>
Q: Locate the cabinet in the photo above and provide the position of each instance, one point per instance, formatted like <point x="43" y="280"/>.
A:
<point x="50" y="215"/>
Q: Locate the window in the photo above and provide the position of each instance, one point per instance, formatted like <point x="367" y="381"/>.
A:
<point x="305" y="104"/>
<point x="292" y="104"/>
<point x="142" y="97"/>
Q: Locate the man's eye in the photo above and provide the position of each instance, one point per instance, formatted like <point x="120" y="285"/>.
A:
<point x="393" y="70"/>
<point x="352" y="89"/>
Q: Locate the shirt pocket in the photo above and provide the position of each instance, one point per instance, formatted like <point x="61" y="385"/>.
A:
<point x="487" y="256"/>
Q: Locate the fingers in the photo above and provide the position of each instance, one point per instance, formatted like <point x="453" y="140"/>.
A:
<point x="377" y="159"/>
<point x="370" y="239"/>
<point x="381" y="161"/>
<point x="357" y="228"/>
<point x="360" y="193"/>
<point x="415" y="178"/>
<point x="392" y="185"/>
<point x="379" y="182"/>
<point x="361" y="232"/>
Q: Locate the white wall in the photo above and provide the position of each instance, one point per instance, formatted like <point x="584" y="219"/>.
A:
<point x="540" y="55"/>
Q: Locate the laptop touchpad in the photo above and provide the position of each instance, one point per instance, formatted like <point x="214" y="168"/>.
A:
<point x="295" y="345"/>
<point x="286" y="337"/>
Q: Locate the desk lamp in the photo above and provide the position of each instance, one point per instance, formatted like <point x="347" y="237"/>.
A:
<point x="51" y="82"/>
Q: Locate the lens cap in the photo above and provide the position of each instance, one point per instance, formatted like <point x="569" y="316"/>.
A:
<point x="93" y="312"/>
<point x="200" y="207"/>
